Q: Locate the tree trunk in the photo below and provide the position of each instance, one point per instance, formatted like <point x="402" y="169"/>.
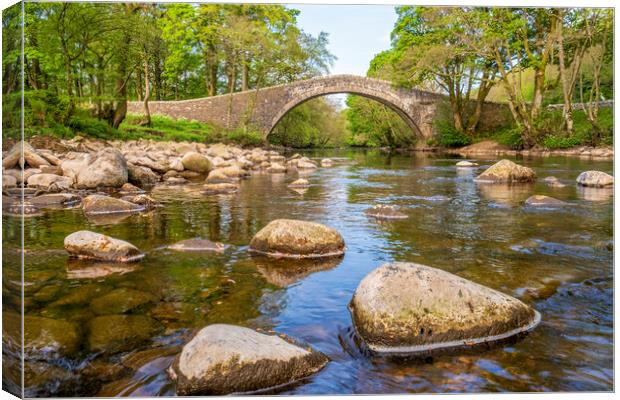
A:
<point x="147" y="95"/>
<point x="245" y="73"/>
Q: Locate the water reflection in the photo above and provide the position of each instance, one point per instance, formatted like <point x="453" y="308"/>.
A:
<point x="551" y="262"/>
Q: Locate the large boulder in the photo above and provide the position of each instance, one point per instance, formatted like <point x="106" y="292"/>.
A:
<point x="597" y="179"/>
<point x="196" y="162"/>
<point x="99" y="204"/>
<point x="403" y="308"/>
<point x="91" y="245"/>
<point x="297" y="239"/>
<point x="223" y="359"/>
<point x="106" y="168"/>
<point x="506" y="171"/>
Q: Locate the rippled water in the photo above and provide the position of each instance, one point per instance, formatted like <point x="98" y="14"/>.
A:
<point x="558" y="261"/>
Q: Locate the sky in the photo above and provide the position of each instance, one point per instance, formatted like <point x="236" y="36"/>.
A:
<point x="356" y="33"/>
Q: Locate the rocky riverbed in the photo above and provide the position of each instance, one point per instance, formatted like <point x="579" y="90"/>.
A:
<point x="184" y="253"/>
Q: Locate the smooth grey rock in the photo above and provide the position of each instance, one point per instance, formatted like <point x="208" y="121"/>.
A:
<point x="403" y="308"/>
<point x="223" y="359"/>
<point x="596" y="179"/>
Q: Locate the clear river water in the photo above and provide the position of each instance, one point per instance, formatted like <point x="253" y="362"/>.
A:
<point x="560" y="262"/>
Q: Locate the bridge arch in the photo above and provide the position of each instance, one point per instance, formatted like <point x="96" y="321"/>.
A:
<point x="374" y="89"/>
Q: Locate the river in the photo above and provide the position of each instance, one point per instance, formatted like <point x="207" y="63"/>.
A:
<point x="560" y="262"/>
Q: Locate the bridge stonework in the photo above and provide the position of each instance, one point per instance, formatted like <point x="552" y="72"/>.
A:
<point x="263" y="108"/>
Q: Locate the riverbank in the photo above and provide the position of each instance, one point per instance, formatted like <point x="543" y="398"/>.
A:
<point x="490" y="147"/>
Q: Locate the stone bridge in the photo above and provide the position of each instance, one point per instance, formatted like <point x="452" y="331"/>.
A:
<point x="263" y="108"/>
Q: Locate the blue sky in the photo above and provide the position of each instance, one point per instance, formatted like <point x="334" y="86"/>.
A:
<point x="356" y="33"/>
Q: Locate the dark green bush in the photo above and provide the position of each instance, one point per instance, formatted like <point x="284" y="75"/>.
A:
<point x="448" y="136"/>
<point x="510" y="137"/>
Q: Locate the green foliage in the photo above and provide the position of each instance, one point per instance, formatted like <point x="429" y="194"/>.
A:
<point x="245" y="137"/>
<point x="448" y="136"/>
<point x="315" y="123"/>
<point x="372" y="124"/>
<point x="583" y="130"/>
<point x="509" y="136"/>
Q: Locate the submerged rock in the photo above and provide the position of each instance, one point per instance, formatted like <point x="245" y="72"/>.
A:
<point x="220" y="188"/>
<point x="99" y="204"/>
<point x="506" y="171"/>
<point x="44" y="338"/>
<point x="299" y="184"/>
<point x="326" y="162"/>
<point x="553" y="182"/>
<point x="466" y="164"/>
<point x="91" y="245"/>
<point x="120" y="301"/>
<point x="595" y="179"/>
<point x="117" y="333"/>
<point x="540" y="201"/>
<point x="382" y="211"/>
<point x="198" y="244"/>
<point x="223" y="359"/>
<point x="297" y="239"/>
<point x="403" y="308"/>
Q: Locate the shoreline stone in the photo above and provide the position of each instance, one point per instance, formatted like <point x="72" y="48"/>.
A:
<point x="408" y="308"/>
<point x="297" y="239"/>
<point x="223" y="359"/>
